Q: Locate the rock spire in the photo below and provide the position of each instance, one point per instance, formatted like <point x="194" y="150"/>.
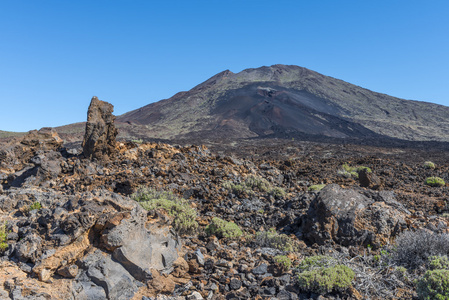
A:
<point x="99" y="138"/>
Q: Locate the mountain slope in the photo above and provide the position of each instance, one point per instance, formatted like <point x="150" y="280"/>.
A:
<point x="285" y="100"/>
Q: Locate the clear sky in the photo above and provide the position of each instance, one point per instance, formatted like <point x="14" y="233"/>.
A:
<point x="56" y="54"/>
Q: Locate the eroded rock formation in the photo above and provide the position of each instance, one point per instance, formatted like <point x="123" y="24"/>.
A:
<point x="99" y="138"/>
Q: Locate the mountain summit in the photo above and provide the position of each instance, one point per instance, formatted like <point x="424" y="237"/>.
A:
<point x="285" y="101"/>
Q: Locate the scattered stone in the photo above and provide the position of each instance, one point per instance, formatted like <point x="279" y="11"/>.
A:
<point x="235" y="284"/>
<point x="199" y="257"/>
<point x="68" y="271"/>
<point x="195" y="296"/>
<point x="260" y="270"/>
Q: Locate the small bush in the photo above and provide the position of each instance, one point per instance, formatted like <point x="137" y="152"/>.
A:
<point x="429" y="165"/>
<point x="361" y="168"/>
<point x="284" y="261"/>
<point x="316" y="187"/>
<point x="258" y="183"/>
<point x="347" y="174"/>
<point x="435" y="181"/>
<point x="434" y="285"/>
<point x="439" y="262"/>
<point x="320" y="274"/>
<point x="357" y="169"/>
<point x="347" y="168"/>
<point x="35" y="205"/>
<point x="352" y="172"/>
<point x="238" y="189"/>
<point x="277" y="192"/>
<point x="3" y="237"/>
<point x="316" y="262"/>
<point x="272" y="239"/>
<point x="223" y="229"/>
<point x="137" y="141"/>
<point x="184" y="216"/>
<point x="413" y="248"/>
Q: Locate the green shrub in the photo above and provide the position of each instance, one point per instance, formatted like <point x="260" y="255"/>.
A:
<point x="223" y="229"/>
<point x="347" y="168"/>
<point x="434" y="285"/>
<point x="352" y="172"/>
<point x="316" y="187"/>
<point x="435" y="181"/>
<point x="258" y="183"/>
<point x="357" y="169"/>
<point x="347" y="174"/>
<point x="184" y="216"/>
<point x="3" y="237"/>
<point x="35" y="205"/>
<point x="237" y="189"/>
<point x="284" y="261"/>
<point x="277" y="192"/>
<point x="317" y="261"/>
<point x="361" y="168"/>
<point x="439" y="262"/>
<point x="272" y="239"/>
<point x="429" y="165"/>
<point x="324" y="280"/>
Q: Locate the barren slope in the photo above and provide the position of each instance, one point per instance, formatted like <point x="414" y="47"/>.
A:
<point x="285" y="100"/>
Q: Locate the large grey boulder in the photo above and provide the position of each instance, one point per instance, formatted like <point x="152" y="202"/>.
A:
<point x="140" y="249"/>
<point x="347" y="217"/>
<point x="29" y="248"/>
<point x="111" y="276"/>
<point x="99" y="138"/>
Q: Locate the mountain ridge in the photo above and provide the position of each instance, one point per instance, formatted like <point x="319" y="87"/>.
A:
<point x="210" y="109"/>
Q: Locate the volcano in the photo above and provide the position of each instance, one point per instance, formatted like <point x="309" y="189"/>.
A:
<point x="285" y="101"/>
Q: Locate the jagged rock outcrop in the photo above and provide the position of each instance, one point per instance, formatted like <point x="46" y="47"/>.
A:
<point x="18" y="152"/>
<point x="99" y="138"/>
<point x="101" y="239"/>
<point x="32" y="159"/>
<point x="347" y="217"/>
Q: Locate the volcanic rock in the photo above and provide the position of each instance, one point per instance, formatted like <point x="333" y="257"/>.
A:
<point x="44" y="139"/>
<point x="99" y="138"/>
<point x="347" y="217"/>
<point x="369" y="179"/>
<point x="18" y="152"/>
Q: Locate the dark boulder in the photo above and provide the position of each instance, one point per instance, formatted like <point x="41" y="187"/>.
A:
<point x="99" y="138"/>
<point x="369" y="180"/>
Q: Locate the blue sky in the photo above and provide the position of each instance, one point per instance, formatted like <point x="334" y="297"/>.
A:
<point x="55" y="55"/>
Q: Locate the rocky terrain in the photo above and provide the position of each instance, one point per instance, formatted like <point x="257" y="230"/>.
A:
<point x="256" y="219"/>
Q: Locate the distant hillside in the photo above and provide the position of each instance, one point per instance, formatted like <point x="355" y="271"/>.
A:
<point x="10" y="134"/>
<point x="284" y="101"/>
